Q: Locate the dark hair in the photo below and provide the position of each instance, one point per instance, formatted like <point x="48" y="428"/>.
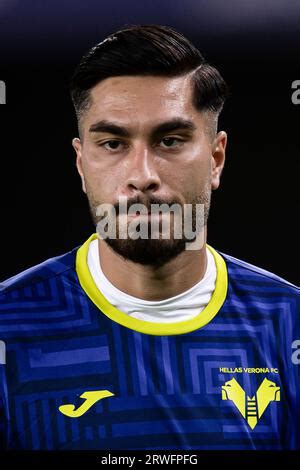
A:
<point x="148" y="50"/>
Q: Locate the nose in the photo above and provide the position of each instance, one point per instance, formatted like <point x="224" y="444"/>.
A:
<point x="142" y="173"/>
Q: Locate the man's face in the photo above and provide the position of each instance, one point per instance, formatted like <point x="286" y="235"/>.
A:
<point x="143" y="139"/>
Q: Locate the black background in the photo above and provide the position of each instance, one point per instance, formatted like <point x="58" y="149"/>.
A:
<point x="256" y="47"/>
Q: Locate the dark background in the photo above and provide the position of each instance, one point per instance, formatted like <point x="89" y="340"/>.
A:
<point x="255" y="45"/>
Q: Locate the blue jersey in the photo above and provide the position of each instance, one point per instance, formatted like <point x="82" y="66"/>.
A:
<point x="77" y="373"/>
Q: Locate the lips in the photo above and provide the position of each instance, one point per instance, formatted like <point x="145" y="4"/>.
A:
<point x="149" y="214"/>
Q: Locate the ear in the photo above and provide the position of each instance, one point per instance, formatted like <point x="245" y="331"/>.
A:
<point x="218" y="158"/>
<point x="78" y="149"/>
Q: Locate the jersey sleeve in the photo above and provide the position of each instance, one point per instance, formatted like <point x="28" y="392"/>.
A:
<point x="4" y="410"/>
<point x="296" y="367"/>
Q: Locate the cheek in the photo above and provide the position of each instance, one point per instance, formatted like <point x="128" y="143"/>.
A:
<point x="101" y="178"/>
<point x="91" y="161"/>
<point x="193" y="173"/>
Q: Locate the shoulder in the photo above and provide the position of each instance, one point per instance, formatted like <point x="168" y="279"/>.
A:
<point x="43" y="300"/>
<point x="250" y="275"/>
<point x="50" y="269"/>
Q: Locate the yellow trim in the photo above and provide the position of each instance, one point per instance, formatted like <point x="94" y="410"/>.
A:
<point x="208" y="313"/>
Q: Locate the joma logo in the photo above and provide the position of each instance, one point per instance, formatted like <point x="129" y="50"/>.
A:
<point x="90" y="398"/>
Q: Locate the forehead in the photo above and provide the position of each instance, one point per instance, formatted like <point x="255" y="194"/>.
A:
<point x="142" y="98"/>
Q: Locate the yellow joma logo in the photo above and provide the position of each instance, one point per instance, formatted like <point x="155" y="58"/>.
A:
<point x="90" y="399"/>
<point x="251" y="408"/>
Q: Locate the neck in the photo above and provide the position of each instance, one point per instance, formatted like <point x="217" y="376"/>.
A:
<point x="152" y="283"/>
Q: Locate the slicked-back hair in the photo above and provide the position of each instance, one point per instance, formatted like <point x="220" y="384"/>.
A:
<point x="149" y="50"/>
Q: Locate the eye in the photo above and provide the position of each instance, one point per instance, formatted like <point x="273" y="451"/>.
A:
<point x="171" y="142"/>
<point x="111" y="145"/>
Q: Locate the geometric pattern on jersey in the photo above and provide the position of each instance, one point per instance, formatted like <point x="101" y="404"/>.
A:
<point x="56" y="344"/>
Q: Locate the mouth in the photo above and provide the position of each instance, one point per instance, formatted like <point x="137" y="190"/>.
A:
<point x="148" y="215"/>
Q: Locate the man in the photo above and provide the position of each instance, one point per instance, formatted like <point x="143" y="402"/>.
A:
<point x="149" y="342"/>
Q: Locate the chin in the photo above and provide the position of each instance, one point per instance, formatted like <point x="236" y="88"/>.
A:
<point x="146" y="251"/>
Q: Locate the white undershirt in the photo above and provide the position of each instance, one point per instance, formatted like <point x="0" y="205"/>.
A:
<point x="182" y="307"/>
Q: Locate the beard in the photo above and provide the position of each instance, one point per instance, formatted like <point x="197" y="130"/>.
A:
<point x="155" y="251"/>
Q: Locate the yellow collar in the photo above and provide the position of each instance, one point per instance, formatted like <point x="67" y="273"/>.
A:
<point x="208" y="313"/>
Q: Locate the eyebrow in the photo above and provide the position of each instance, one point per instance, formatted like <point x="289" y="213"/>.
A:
<point x="168" y="126"/>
